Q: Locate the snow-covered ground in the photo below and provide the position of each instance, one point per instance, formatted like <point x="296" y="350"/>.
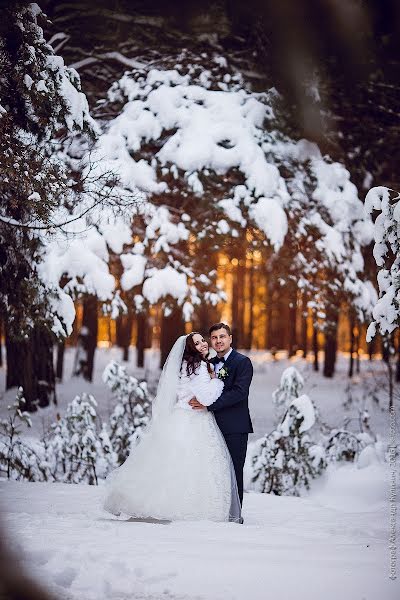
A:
<point x="331" y="543"/>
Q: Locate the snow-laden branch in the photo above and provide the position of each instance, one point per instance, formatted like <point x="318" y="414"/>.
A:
<point x="386" y="312"/>
<point x="89" y="60"/>
<point x="51" y="226"/>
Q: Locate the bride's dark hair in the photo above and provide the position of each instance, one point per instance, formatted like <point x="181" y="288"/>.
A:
<point x="192" y="356"/>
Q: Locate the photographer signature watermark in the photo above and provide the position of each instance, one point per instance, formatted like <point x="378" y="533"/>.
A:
<point x="392" y="494"/>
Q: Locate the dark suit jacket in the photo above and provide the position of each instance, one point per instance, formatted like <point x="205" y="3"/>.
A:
<point x="231" y="409"/>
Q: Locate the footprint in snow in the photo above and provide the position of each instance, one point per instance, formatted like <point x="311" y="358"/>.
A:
<point x="65" y="577"/>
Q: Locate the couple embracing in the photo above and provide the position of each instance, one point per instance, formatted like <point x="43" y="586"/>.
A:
<point x="188" y="463"/>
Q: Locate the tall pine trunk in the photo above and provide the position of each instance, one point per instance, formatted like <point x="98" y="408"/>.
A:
<point x="247" y="338"/>
<point x="1" y="343"/>
<point x="315" y="343"/>
<point x="331" y="342"/>
<point x="12" y="355"/>
<point x="304" y="312"/>
<point x="292" y="337"/>
<point x="357" y="340"/>
<point x="372" y="348"/>
<point x="238" y="304"/>
<point x="171" y="328"/>
<point x="124" y="333"/>
<point x="268" y="311"/>
<point x="60" y="360"/>
<point x="87" y="340"/>
<point x="141" y="338"/>
<point x="207" y="315"/>
<point x="352" y="344"/>
<point x="42" y="350"/>
<point x="387" y="347"/>
<point x="251" y="302"/>
<point x="30" y="365"/>
<point x="398" y="358"/>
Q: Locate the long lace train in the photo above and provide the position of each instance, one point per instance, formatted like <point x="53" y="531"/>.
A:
<point x="181" y="470"/>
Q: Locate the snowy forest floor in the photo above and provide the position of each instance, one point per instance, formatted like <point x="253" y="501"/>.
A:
<point x="331" y="543"/>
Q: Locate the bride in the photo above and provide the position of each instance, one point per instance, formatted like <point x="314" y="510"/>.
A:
<point x="181" y="468"/>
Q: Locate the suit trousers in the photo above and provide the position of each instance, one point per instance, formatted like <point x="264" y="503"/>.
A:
<point x="237" y="446"/>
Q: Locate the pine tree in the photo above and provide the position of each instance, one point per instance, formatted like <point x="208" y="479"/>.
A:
<point x="286" y="460"/>
<point x="131" y="412"/>
<point x="387" y="257"/>
<point x="76" y="451"/>
<point x="290" y="385"/>
<point x="386" y="312"/>
<point x="17" y="459"/>
<point x="41" y="105"/>
<point x="303" y="215"/>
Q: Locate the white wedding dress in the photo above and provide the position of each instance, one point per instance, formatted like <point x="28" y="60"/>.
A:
<point x="181" y="468"/>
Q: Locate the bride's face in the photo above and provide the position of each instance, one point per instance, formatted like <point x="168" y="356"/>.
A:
<point x="200" y="344"/>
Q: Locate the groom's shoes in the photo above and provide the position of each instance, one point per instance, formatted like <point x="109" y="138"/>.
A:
<point x="236" y="520"/>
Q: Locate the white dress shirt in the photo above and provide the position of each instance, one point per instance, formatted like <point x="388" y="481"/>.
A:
<point x="219" y="365"/>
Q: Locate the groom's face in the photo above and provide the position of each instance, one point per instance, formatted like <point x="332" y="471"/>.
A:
<point x="220" y="340"/>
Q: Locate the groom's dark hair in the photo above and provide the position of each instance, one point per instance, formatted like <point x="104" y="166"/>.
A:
<point x="220" y="326"/>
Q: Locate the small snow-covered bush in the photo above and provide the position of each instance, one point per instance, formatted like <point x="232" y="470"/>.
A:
<point x="285" y="460"/>
<point x="77" y="448"/>
<point x="132" y="410"/>
<point x="290" y="386"/>
<point x="18" y="460"/>
<point x="75" y="451"/>
<point x="344" y="445"/>
<point x="372" y="454"/>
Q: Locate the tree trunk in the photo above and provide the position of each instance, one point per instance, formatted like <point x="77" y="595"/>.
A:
<point x="87" y="340"/>
<point x="388" y="342"/>
<point x="248" y="341"/>
<point x="30" y="366"/>
<point x="292" y="324"/>
<point x="268" y="311"/>
<point x="171" y="328"/>
<point x="357" y="340"/>
<point x="238" y="305"/>
<point x="235" y="308"/>
<point x="141" y="338"/>
<point x="397" y="374"/>
<point x="1" y="343"/>
<point x="371" y="348"/>
<point x="43" y="365"/>
<point x="315" y="344"/>
<point x="206" y="315"/>
<point x="12" y="353"/>
<point x="278" y="318"/>
<point x="387" y="345"/>
<point x="303" y="329"/>
<point x="331" y="343"/>
<point x="60" y="360"/>
<point x="352" y="344"/>
<point x="124" y="333"/>
<point x="20" y="371"/>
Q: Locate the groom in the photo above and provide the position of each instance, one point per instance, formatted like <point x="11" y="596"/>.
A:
<point x="231" y="409"/>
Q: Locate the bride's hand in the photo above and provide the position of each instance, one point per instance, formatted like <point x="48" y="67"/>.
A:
<point x="196" y="405"/>
<point x="213" y="375"/>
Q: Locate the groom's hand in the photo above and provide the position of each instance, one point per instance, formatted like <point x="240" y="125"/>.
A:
<point x="195" y="404"/>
